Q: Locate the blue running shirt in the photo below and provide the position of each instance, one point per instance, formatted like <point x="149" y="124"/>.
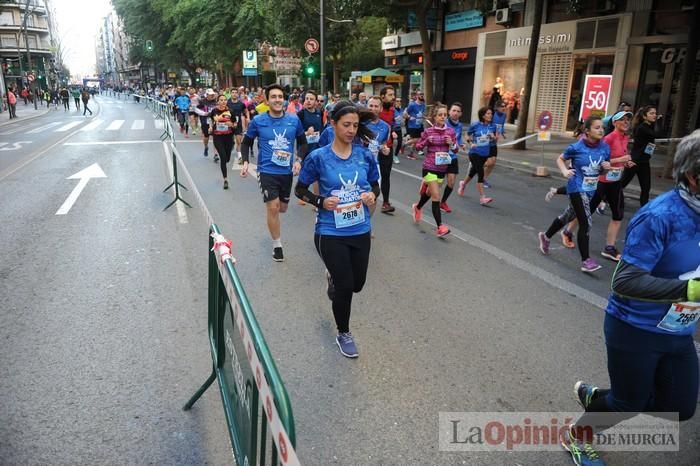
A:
<point x="586" y="161"/>
<point x="276" y="137"/>
<point x="479" y="133"/>
<point x="416" y="114"/>
<point x="381" y="132"/>
<point x="346" y="179"/>
<point x="663" y="239"/>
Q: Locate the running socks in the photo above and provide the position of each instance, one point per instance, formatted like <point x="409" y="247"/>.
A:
<point x="277" y="243"/>
<point x="437" y="215"/>
<point x="446" y="193"/>
<point x="423" y="199"/>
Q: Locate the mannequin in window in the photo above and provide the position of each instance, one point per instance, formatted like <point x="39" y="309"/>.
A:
<point x="499" y="85"/>
<point x="495" y="97"/>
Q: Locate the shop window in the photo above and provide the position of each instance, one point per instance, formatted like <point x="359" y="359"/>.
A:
<point x="495" y="44"/>
<point x="606" y="35"/>
<point x="585" y="33"/>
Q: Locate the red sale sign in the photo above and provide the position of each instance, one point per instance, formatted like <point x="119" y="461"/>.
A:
<point x="596" y="93"/>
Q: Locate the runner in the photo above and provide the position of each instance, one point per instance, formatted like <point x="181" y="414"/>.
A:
<point x="480" y="133"/>
<point x="499" y="121"/>
<point x="240" y="113"/>
<point x="388" y="115"/>
<point x="642" y="151"/>
<point x="398" y="129"/>
<point x="223" y="125"/>
<point x="413" y="116"/>
<point x="652" y="313"/>
<point x="194" y="103"/>
<point x="182" y="104"/>
<point x="454" y="114"/>
<point x="438" y="140"/>
<point x="276" y="132"/>
<point x="205" y="107"/>
<point x="348" y="178"/>
<point x="312" y="122"/>
<point x="380" y="145"/>
<point x="589" y="157"/>
<point x="610" y="185"/>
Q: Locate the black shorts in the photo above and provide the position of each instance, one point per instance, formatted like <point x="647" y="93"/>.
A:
<point x="414" y="133"/>
<point x="238" y="130"/>
<point x="275" y="186"/>
<point x="205" y="130"/>
<point x="454" y="166"/>
<point x="493" y="151"/>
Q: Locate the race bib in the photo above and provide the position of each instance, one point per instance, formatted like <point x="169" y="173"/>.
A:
<point x="589" y="183"/>
<point x="374" y="147"/>
<point x="222" y="127"/>
<point x="281" y="158"/>
<point x="614" y="174"/>
<point x="347" y="215"/>
<point x="313" y="138"/>
<point x="482" y="141"/>
<point x="419" y="118"/>
<point x="499" y="128"/>
<point x="442" y="158"/>
<point x="680" y="316"/>
<point x="649" y="149"/>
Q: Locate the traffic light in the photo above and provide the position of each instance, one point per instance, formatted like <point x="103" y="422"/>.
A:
<point x="310" y="69"/>
<point x="149" y="46"/>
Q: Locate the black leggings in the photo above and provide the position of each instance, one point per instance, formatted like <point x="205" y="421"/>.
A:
<point x="385" y="164"/>
<point x="223" y="143"/>
<point x="579" y="208"/>
<point x="612" y="194"/>
<point x="643" y="172"/>
<point x="346" y="258"/>
<point x="477" y="167"/>
<point x="399" y="140"/>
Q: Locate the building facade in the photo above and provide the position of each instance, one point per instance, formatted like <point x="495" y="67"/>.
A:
<point x="27" y="40"/>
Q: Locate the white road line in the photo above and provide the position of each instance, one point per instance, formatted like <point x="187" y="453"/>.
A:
<point x="92" y="125"/>
<point x="110" y="143"/>
<point x="158" y="124"/>
<point x="181" y="212"/>
<point x="70" y="125"/>
<point x="115" y="125"/>
<point x="137" y="124"/>
<point x="44" y="127"/>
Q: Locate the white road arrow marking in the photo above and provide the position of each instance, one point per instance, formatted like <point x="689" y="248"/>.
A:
<point x="15" y="145"/>
<point x="93" y="171"/>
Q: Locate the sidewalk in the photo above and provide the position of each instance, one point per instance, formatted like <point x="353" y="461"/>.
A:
<point x="24" y="112"/>
<point x="538" y="154"/>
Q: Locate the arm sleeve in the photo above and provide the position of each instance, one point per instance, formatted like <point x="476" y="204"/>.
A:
<point x="308" y="175"/>
<point x="302" y="146"/>
<point x="246" y="144"/>
<point x="630" y="281"/>
<point x="301" y="190"/>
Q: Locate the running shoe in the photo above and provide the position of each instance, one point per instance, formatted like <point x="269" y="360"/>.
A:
<point x="582" y="453"/>
<point x="460" y="190"/>
<point x="420" y="153"/>
<point x="550" y="194"/>
<point x="216" y="158"/>
<point x="487" y="184"/>
<point x="485" y="200"/>
<point x="442" y="230"/>
<point x="567" y="239"/>
<point x="544" y="243"/>
<point x="601" y="209"/>
<point x="585" y="393"/>
<point x="417" y="214"/>
<point x="330" y="289"/>
<point x="589" y="265"/>
<point x="611" y="252"/>
<point x="206" y="152"/>
<point x="423" y="188"/>
<point x="396" y="159"/>
<point x="187" y="136"/>
<point x="225" y="184"/>
<point x="445" y="208"/>
<point x="347" y="346"/>
<point x="387" y="208"/>
<point x="277" y="255"/>
<point x="240" y="160"/>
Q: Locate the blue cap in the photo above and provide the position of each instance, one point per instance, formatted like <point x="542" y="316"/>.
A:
<point x="620" y="115"/>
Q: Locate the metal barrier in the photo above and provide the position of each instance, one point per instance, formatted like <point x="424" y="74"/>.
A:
<point x="255" y="400"/>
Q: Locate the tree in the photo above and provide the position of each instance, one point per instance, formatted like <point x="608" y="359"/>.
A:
<point x="529" y="75"/>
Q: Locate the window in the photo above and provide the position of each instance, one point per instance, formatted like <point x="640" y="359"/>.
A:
<point x="585" y="32"/>
<point x="495" y="44"/>
<point x="8" y="40"/>
<point x="606" y="36"/>
<point x="6" y="18"/>
<point x="31" y="40"/>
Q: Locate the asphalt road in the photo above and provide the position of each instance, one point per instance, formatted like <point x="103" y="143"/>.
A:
<point x="103" y="327"/>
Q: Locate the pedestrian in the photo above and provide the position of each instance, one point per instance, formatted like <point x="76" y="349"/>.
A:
<point x="652" y="314"/>
<point x="65" y="96"/>
<point x="438" y="140"/>
<point x="85" y="95"/>
<point x="75" y="92"/>
<point x="480" y="134"/>
<point x="348" y="177"/>
<point x="276" y="132"/>
<point x="643" y="149"/>
<point x="11" y="103"/>
<point x="55" y="98"/>
<point x="25" y="95"/>
<point x="453" y="121"/>
<point x="590" y="157"/>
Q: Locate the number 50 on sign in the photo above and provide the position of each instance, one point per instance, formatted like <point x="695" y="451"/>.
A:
<point x="596" y="94"/>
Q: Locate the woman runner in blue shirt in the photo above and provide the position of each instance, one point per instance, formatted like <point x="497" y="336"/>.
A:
<point x="348" y="179"/>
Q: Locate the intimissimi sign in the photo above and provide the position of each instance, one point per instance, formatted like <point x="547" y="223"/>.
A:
<point x="554" y="38"/>
<point x="544" y="40"/>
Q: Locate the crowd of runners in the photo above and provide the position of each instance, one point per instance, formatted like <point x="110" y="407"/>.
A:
<point x="343" y="152"/>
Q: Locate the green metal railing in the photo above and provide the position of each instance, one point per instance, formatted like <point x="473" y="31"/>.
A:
<point x="256" y="404"/>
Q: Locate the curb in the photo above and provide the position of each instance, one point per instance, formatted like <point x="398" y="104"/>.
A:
<point x="19" y="120"/>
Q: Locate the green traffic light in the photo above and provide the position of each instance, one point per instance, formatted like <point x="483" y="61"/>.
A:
<point x="310" y="69"/>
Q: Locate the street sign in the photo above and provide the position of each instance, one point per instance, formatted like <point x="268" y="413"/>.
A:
<point x="596" y="94"/>
<point x="250" y="60"/>
<point x="544" y="136"/>
<point x="30" y="77"/>
<point x="311" y="45"/>
<point x="250" y="71"/>
<point x="544" y="120"/>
